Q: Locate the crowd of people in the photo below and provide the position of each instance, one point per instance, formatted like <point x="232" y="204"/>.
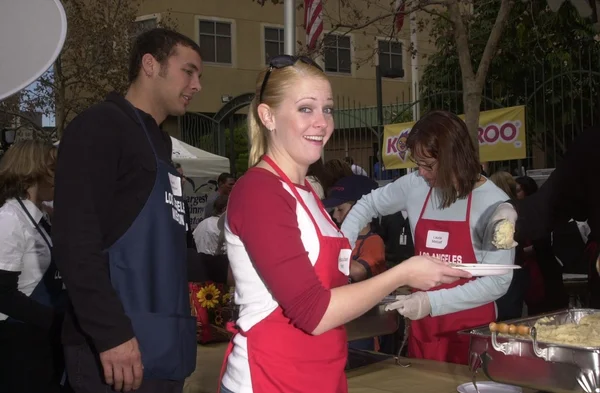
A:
<point x="94" y="293"/>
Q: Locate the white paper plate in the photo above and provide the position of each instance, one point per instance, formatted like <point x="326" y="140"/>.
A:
<point x="485" y="269"/>
<point x="488" y="387"/>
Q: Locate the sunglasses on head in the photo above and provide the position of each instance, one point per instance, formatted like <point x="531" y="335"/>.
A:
<point x="283" y="61"/>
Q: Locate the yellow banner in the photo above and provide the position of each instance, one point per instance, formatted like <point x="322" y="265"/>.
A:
<point x="501" y="137"/>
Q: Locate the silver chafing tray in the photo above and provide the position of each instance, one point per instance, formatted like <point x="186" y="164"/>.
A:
<point x="375" y="322"/>
<point x="528" y="362"/>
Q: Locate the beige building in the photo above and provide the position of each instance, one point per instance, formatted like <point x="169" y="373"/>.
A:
<point x="237" y="37"/>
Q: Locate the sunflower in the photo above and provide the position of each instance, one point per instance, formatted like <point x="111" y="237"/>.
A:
<point x="209" y="296"/>
<point x="227" y="298"/>
<point x="219" y="320"/>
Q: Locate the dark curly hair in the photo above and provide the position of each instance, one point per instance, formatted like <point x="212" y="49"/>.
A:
<point x="24" y="165"/>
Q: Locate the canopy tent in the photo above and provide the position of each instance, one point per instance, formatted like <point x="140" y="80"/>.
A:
<point x="197" y="162"/>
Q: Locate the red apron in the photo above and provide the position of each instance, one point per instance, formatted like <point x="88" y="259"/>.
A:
<point x="282" y="357"/>
<point x="436" y="338"/>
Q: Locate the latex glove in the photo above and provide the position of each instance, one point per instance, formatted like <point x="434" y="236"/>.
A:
<point x="414" y="306"/>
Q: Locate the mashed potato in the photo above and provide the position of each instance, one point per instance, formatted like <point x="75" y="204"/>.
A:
<point x="504" y="233"/>
<point x="584" y="334"/>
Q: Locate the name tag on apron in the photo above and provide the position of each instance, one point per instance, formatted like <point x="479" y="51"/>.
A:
<point x="175" y="185"/>
<point x="344" y="261"/>
<point x="437" y="239"/>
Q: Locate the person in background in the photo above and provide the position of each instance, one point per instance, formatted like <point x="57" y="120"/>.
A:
<point x="289" y="260"/>
<point x="225" y="184"/>
<point x="547" y="290"/>
<point x="335" y="169"/>
<point x="206" y="234"/>
<point x="119" y="229"/>
<point x="356" y="169"/>
<point x="317" y="176"/>
<point x="506" y="182"/>
<point x="189" y="235"/>
<point x="368" y="255"/>
<point x="31" y="290"/>
<point x="449" y="204"/>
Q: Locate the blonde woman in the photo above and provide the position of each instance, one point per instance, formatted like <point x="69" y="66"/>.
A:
<point x="289" y="260"/>
<point x="506" y="182"/>
<point x="31" y="290"/>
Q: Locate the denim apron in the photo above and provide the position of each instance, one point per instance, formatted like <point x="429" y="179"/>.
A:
<point x="148" y="270"/>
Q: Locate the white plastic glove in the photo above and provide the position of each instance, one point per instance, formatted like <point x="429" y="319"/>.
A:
<point x="414" y="306"/>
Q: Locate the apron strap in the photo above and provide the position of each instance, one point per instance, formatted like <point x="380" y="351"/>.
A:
<point x="287" y="180"/>
<point x="35" y="224"/>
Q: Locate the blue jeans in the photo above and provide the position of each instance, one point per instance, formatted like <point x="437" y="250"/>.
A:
<point x="224" y="389"/>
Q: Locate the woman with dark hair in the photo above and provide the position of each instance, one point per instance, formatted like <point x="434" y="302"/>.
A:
<point x="31" y="288"/>
<point x="449" y="204"/>
<point x="525" y="186"/>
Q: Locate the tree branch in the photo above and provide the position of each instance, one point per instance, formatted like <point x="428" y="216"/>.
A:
<point x="492" y="44"/>
<point x="462" y="42"/>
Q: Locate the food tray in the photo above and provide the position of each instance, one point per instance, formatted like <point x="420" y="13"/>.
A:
<point x="375" y="322"/>
<point x="525" y="361"/>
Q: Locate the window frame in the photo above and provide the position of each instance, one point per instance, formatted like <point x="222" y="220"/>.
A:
<point x="322" y="57"/>
<point x="402" y="51"/>
<point x="263" y="26"/>
<point x="231" y="22"/>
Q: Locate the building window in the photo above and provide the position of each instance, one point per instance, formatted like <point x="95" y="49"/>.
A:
<point x="143" y="25"/>
<point x="337" y="54"/>
<point x="273" y="42"/>
<point x="215" y="41"/>
<point x="390" y="55"/>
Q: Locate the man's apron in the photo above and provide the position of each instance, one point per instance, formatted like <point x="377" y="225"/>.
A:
<point x="282" y="357"/>
<point x="436" y="338"/>
<point x="149" y="273"/>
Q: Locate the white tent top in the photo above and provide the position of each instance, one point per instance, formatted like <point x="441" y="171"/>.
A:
<point x="197" y="162"/>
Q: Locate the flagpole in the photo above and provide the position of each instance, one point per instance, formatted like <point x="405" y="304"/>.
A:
<point x="289" y="27"/>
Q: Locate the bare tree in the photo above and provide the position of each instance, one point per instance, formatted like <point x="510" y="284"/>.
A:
<point x="93" y="61"/>
<point x="376" y="17"/>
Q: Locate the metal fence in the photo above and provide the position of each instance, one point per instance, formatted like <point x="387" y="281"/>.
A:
<point x="561" y="101"/>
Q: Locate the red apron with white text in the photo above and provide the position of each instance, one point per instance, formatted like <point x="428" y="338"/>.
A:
<point x="283" y="358"/>
<point x="436" y="338"/>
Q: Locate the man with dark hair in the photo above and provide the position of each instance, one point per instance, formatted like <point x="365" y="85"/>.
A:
<point x="119" y="229"/>
<point x="225" y="183"/>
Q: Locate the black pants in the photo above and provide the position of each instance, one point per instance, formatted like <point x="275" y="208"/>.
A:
<point x="30" y="361"/>
<point x="86" y="375"/>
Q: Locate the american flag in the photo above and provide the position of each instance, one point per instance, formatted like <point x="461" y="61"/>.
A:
<point x="313" y="20"/>
<point x="399" y="18"/>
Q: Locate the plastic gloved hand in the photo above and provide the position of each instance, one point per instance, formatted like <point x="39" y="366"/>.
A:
<point x="414" y="306"/>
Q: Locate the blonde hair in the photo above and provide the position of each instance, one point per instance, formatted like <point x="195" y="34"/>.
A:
<point x="280" y="82"/>
<point x="506" y="183"/>
<point x="24" y="165"/>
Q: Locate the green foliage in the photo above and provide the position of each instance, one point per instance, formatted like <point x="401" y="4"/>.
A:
<point x="548" y="61"/>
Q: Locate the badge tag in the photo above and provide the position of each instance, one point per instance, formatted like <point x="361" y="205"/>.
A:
<point x="437" y="240"/>
<point x="175" y="185"/>
<point x="402" y="241"/>
<point x="344" y="261"/>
